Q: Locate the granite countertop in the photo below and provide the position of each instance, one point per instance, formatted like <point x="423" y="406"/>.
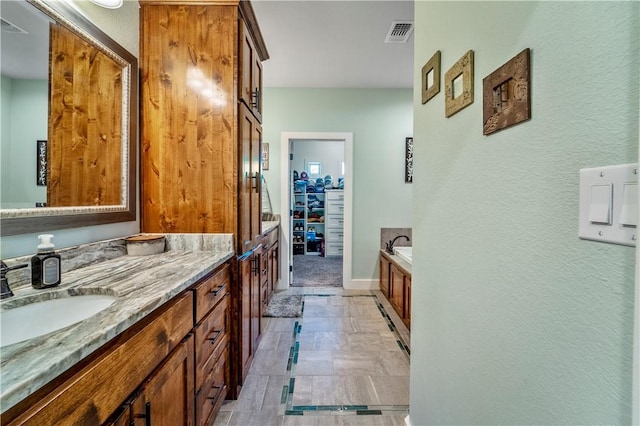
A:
<point x="140" y="283"/>
<point x="268" y="226"/>
<point x="401" y="263"/>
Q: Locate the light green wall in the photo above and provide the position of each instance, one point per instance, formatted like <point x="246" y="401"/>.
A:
<point x="515" y="319"/>
<point x="380" y="120"/>
<point x="24" y="121"/>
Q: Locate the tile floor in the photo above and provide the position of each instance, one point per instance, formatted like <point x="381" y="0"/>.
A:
<point x="344" y="362"/>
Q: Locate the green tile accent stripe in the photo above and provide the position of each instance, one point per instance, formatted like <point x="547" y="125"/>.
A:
<point x="355" y="407"/>
<point x="369" y="412"/>
<point x="292" y="382"/>
<point x="293" y="413"/>
<point x="285" y="392"/>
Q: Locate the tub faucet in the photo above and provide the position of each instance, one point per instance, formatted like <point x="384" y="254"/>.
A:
<point x="5" y="291"/>
<point x="389" y="245"/>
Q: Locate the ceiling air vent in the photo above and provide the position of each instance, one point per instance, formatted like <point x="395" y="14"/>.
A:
<point x="399" y="32"/>
<point x="11" y="28"/>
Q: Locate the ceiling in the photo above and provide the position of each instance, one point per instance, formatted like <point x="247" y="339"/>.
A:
<point x="311" y="43"/>
<point x="334" y="43"/>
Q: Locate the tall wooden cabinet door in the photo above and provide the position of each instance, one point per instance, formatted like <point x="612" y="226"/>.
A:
<point x="167" y="396"/>
<point x="244" y="266"/>
<point x="250" y="73"/>
<point x="249" y="193"/>
<point x="256" y="280"/>
<point x="247" y="179"/>
<point x="256" y="194"/>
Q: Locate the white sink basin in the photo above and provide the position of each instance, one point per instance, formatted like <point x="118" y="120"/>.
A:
<point x="404" y="253"/>
<point x="39" y="318"/>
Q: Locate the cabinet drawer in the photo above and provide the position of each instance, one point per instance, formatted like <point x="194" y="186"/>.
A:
<point x="335" y="208"/>
<point x="335" y="236"/>
<point x="334" y="249"/>
<point x="335" y="195"/>
<point x="269" y="239"/>
<point x="211" y="335"/>
<point x="335" y="221"/>
<point x="211" y="291"/>
<point x="216" y="386"/>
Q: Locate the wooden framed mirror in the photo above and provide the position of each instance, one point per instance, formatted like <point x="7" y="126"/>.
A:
<point x="90" y="112"/>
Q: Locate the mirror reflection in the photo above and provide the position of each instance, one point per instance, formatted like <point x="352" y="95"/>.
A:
<point x="66" y="121"/>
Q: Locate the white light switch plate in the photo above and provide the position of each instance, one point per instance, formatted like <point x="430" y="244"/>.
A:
<point x="622" y="178"/>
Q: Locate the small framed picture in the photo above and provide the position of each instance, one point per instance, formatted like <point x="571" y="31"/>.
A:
<point x="431" y="78"/>
<point x="458" y="83"/>
<point x="265" y="156"/>
<point x="41" y="163"/>
<point x="408" y="161"/>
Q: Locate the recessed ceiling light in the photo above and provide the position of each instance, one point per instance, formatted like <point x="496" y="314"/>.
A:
<point x="109" y="4"/>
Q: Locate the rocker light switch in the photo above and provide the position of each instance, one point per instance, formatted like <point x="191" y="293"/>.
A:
<point x="601" y="204"/>
<point x="629" y="208"/>
<point x="609" y="204"/>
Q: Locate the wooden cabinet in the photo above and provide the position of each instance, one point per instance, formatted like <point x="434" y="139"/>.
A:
<point x="251" y="73"/>
<point x="250" y="186"/>
<point x="396" y="290"/>
<point x="201" y="109"/>
<point x="166" y="397"/>
<point x="395" y="284"/>
<point x="274" y="267"/>
<point x="171" y="368"/>
<point x="385" y="269"/>
<point x="249" y="311"/>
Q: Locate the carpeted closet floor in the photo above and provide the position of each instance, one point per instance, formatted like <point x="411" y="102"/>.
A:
<point x="317" y="271"/>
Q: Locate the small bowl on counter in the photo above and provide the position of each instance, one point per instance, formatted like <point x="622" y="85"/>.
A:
<point x="145" y="245"/>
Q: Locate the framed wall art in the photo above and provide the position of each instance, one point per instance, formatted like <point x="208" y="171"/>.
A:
<point x="408" y="160"/>
<point x="505" y="94"/>
<point x="41" y="163"/>
<point x="458" y="84"/>
<point x="431" y="78"/>
<point x="265" y="156"/>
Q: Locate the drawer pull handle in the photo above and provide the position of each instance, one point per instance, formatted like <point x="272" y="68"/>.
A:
<point x="214" y="397"/>
<point x="146" y="416"/>
<point x="215" y="335"/>
<point x="217" y="291"/>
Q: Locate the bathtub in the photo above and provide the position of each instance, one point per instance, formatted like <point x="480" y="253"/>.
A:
<point x="404" y="253"/>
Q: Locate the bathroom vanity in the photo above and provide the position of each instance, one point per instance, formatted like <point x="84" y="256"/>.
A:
<point x="164" y="342"/>
<point x="395" y="283"/>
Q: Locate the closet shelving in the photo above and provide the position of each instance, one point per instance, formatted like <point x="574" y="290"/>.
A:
<point x="308" y="222"/>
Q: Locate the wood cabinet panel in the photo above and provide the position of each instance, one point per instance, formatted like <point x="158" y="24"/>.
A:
<point x="124" y="363"/>
<point x="244" y="338"/>
<point x="209" y="292"/>
<point x="251" y="73"/>
<point x="189" y="137"/>
<point x="406" y="318"/>
<point x="396" y="290"/>
<point x="385" y="270"/>
<point x="214" y="390"/>
<point x="211" y="334"/>
<point x="166" y="398"/>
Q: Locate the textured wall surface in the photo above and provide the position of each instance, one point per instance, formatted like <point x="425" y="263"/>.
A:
<point x="380" y="120"/>
<point x="516" y="320"/>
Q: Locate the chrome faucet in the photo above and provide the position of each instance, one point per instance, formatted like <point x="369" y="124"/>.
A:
<point x="5" y="291"/>
<point x="389" y="245"/>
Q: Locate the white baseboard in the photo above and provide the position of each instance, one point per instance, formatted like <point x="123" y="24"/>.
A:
<point x="362" y="284"/>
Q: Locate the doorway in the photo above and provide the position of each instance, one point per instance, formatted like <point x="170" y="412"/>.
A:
<point x="311" y="245"/>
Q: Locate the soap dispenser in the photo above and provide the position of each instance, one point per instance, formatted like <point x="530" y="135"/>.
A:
<point x="45" y="264"/>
